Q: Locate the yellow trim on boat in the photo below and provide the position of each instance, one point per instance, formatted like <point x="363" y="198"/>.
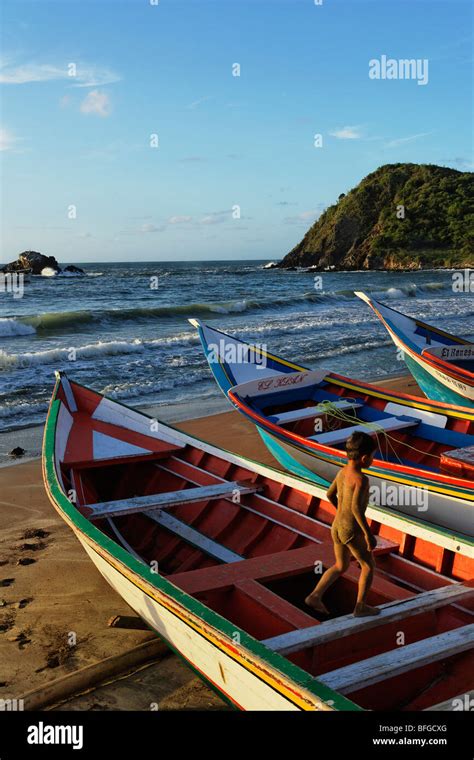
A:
<point x="436" y="330"/>
<point x="384" y="476"/>
<point x="405" y="402"/>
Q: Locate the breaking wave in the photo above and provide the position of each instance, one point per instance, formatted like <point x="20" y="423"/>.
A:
<point x="62" y="320"/>
<point x="9" y="328"/>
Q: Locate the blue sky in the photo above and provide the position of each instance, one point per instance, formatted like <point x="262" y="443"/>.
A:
<point x="224" y="141"/>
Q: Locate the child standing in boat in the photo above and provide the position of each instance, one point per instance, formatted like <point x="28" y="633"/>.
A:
<point x="350" y="532"/>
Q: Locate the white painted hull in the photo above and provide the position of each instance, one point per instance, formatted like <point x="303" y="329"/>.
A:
<point x="437" y="508"/>
<point x="240" y="685"/>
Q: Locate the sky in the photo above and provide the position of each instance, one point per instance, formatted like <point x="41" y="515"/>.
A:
<point x="136" y="130"/>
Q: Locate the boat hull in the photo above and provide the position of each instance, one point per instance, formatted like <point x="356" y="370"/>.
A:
<point x="450" y="507"/>
<point x="437" y="379"/>
<point x="236" y="683"/>
<point x="434" y="383"/>
<point x="415" y="501"/>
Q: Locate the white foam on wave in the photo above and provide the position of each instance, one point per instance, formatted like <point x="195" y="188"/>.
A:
<point x="229" y="308"/>
<point x="21" y="409"/>
<point x="70" y="274"/>
<point x="133" y="390"/>
<point x="11" y="327"/>
<point x="397" y="293"/>
<point x="92" y="350"/>
<point x="56" y="355"/>
<point x="48" y="272"/>
<point x="354" y="348"/>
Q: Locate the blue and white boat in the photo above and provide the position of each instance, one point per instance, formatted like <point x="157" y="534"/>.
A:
<point x="424" y="448"/>
<point x="442" y="364"/>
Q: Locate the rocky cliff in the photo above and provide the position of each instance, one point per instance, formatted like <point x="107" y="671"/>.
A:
<point x="402" y="216"/>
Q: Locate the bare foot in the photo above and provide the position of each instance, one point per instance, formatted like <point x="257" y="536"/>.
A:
<point x="364" y="610"/>
<point x="316" y="604"/>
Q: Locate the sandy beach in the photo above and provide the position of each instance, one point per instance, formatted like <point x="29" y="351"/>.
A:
<point x="50" y="591"/>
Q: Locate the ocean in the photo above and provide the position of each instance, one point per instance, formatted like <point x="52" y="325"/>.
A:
<point x="122" y="328"/>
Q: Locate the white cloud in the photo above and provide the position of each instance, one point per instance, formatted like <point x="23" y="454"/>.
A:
<point x="78" y="74"/>
<point x="347" y="133"/>
<point x="403" y="140"/>
<point x="183" y="221"/>
<point x="211" y="219"/>
<point x="7" y="139"/>
<point x="96" y="102"/>
<point x="150" y="228"/>
<point x="215" y="217"/>
<point x="91" y="76"/>
<point x="307" y="214"/>
<point x="180" y="219"/>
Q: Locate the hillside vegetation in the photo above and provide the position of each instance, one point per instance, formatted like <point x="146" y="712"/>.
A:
<point x="363" y="230"/>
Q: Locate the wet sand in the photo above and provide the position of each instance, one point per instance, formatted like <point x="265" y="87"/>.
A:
<point x="51" y="593"/>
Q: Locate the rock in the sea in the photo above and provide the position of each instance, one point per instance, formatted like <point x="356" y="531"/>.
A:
<point x="17" y="452"/>
<point x="73" y="269"/>
<point x="33" y="262"/>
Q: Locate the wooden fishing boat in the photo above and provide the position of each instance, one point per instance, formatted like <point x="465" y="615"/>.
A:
<point x="442" y="364"/>
<point x="425" y="459"/>
<point x="216" y="554"/>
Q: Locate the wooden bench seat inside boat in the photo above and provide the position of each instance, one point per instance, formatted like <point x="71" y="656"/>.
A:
<point x="396" y="662"/>
<point x="249" y="585"/>
<point x="458" y="462"/>
<point x="334" y="437"/>
<point x="195" y="538"/>
<point x="169" y="499"/>
<point x="314" y="411"/>
<point x="390" y="612"/>
<point x="272" y="567"/>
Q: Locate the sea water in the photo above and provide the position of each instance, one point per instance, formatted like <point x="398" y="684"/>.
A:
<point x="122" y="328"/>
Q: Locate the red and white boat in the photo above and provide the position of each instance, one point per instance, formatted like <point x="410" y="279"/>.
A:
<point x="217" y="553"/>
